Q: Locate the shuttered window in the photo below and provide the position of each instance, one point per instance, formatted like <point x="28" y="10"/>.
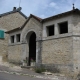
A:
<point x="1" y="34"/>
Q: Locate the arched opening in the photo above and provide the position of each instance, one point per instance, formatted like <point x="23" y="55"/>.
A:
<point x="32" y="48"/>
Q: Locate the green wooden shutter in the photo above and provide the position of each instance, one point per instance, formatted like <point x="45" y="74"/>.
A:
<point x="1" y="34"/>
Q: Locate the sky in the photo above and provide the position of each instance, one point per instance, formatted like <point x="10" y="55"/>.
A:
<point x="40" y="8"/>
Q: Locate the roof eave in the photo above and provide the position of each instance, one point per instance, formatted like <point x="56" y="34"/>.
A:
<point x="62" y="15"/>
<point x="13" y="30"/>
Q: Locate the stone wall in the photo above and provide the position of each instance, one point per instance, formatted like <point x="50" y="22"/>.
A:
<point x="32" y="26"/>
<point x="56" y="26"/>
<point x="76" y="43"/>
<point x="76" y="24"/>
<point x="9" y="22"/>
<point x="14" y="53"/>
<point x="76" y="54"/>
<point x="14" y="49"/>
<point x="58" y="52"/>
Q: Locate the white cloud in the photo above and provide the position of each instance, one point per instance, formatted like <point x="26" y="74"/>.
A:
<point x="52" y="4"/>
<point x="41" y="8"/>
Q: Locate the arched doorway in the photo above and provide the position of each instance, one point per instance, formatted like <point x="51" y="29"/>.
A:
<point x="32" y="47"/>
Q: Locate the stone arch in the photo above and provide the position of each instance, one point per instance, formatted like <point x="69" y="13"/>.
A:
<point x="25" y="47"/>
<point x="31" y="40"/>
<point x="31" y="26"/>
<point x="24" y="34"/>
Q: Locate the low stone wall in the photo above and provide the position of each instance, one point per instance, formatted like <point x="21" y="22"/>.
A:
<point x="14" y="53"/>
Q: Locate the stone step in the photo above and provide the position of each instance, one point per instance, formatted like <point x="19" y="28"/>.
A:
<point x="28" y="67"/>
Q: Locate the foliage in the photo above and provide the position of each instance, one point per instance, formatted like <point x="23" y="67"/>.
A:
<point x="40" y="70"/>
<point x="32" y="60"/>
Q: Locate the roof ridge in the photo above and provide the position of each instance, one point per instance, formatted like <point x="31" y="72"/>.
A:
<point x="37" y="17"/>
<point x="23" y="14"/>
<point x="3" y="14"/>
<point x="10" y="12"/>
<point x="58" y="15"/>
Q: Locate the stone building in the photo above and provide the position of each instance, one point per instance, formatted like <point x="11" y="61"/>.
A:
<point x="53" y="42"/>
<point x="9" y="21"/>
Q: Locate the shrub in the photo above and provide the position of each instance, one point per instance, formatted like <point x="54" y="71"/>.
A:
<point x="40" y="70"/>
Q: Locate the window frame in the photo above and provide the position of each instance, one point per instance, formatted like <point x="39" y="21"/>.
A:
<point x="48" y="30"/>
<point x="18" y="37"/>
<point x="12" y="40"/>
<point x="59" y="27"/>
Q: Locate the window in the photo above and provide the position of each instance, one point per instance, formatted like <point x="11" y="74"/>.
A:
<point x="1" y="34"/>
<point x="50" y="30"/>
<point x="63" y="27"/>
<point x="12" y="39"/>
<point x="18" y="37"/>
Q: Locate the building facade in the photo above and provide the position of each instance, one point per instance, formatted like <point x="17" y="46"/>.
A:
<point x="53" y="42"/>
<point x="9" y="21"/>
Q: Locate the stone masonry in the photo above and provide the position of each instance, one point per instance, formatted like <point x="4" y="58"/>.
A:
<point x="9" y="21"/>
<point x="58" y="51"/>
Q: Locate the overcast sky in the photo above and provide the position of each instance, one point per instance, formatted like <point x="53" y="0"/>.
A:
<point x="40" y="8"/>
